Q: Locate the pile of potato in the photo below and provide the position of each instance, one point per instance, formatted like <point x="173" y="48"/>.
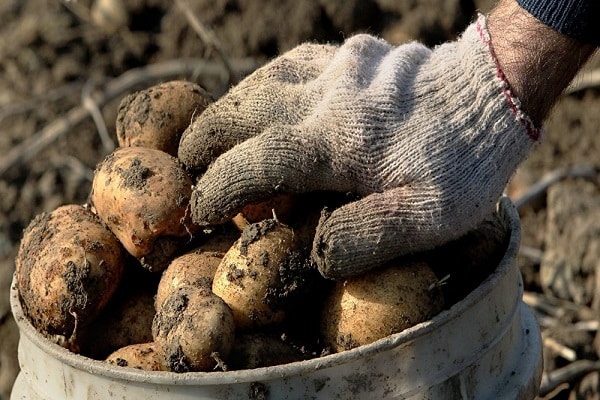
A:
<point x="130" y="279"/>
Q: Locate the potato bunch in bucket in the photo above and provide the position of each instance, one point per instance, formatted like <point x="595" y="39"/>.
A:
<point x="131" y="279"/>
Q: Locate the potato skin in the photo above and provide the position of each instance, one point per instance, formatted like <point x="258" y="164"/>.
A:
<point x="196" y="267"/>
<point x="67" y="268"/>
<point x="143" y="196"/>
<point x="249" y="278"/>
<point x="144" y="356"/>
<point x="192" y="324"/>
<point x="379" y="303"/>
<point x="157" y="116"/>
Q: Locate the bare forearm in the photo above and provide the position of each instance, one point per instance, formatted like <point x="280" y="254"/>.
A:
<point x="537" y="61"/>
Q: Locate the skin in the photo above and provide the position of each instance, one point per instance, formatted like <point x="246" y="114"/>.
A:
<point x="538" y="62"/>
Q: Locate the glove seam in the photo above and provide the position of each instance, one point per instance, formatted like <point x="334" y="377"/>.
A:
<point x="535" y="133"/>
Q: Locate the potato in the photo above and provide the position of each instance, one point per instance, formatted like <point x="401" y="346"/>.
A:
<point x="195" y="267"/>
<point x="280" y="206"/>
<point x="191" y="328"/>
<point x="67" y="268"/>
<point x="260" y="273"/>
<point x="141" y="356"/>
<point x="156" y="117"/>
<point x="379" y="303"/>
<point x="143" y="196"/>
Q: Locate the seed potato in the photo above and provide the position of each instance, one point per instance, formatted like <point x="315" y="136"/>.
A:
<point x="280" y="206"/>
<point x="126" y="320"/>
<point x="197" y="267"/>
<point x="194" y="268"/>
<point x="261" y="349"/>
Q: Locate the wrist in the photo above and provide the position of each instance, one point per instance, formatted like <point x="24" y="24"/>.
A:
<point x="537" y="61"/>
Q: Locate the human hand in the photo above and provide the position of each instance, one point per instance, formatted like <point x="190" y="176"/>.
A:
<point x="427" y="138"/>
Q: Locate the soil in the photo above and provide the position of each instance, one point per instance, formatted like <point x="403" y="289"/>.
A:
<point x="53" y="54"/>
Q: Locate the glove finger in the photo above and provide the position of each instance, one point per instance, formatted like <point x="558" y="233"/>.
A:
<point x="368" y="233"/>
<point x="275" y="94"/>
<point x="280" y="160"/>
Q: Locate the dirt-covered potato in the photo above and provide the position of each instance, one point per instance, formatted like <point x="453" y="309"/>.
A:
<point x="141" y="356"/>
<point x="67" y="268"/>
<point x="196" y="267"/>
<point x="379" y="303"/>
<point x="193" y="268"/>
<point x="193" y="329"/>
<point x="261" y="271"/>
<point x="143" y="196"/>
<point x="156" y="117"/>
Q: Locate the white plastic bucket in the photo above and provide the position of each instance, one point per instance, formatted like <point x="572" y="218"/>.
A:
<point x="487" y="346"/>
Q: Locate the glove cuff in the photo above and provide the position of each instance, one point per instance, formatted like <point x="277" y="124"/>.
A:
<point x="535" y="133"/>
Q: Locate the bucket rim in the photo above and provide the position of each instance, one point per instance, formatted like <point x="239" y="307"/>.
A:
<point x="507" y="212"/>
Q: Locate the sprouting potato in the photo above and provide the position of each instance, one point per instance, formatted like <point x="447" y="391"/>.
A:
<point x="280" y="207"/>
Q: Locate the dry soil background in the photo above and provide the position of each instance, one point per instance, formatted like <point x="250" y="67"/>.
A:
<point x="56" y="54"/>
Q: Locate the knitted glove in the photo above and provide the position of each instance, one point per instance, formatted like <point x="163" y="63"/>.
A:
<point x="427" y="138"/>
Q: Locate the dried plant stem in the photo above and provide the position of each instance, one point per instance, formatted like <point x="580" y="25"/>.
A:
<point x="209" y="38"/>
<point x="550" y="178"/>
<point x="569" y="373"/>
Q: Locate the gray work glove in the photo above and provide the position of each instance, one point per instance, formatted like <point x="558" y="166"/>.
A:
<point x="427" y="138"/>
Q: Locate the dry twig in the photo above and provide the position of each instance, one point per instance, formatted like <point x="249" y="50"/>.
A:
<point x="567" y="374"/>
<point x="128" y="81"/>
<point x="531" y="253"/>
<point x="565" y="352"/>
<point x="77" y="9"/>
<point x="209" y="38"/>
<point x="584" y="80"/>
<point x="540" y="187"/>
<point x="558" y="308"/>
<point x="92" y="107"/>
